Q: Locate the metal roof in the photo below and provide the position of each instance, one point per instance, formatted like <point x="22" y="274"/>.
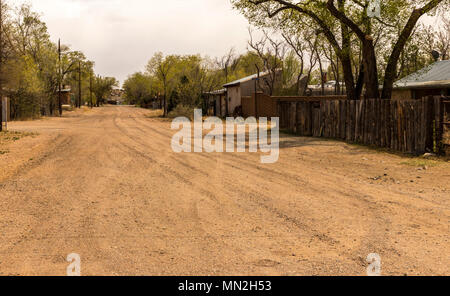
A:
<point x="246" y="79"/>
<point x="436" y="75"/>
<point x="217" y="92"/>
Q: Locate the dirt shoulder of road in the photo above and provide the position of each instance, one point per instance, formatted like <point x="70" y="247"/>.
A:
<point x="17" y="149"/>
<point x="22" y="146"/>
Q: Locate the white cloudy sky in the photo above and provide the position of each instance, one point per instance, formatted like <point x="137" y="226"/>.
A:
<point x="122" y="35"/>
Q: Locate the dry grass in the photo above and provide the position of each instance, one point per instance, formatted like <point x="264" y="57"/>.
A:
<point x="11" y="136"/>
<point x="423" y="162"/>
<point x="155" y="113"/>
<point x="182" y="111"/>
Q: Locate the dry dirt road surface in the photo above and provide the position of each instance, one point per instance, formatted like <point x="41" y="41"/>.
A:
<point x="105" y="184"/>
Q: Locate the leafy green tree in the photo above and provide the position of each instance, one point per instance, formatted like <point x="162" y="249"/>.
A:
<point x="102" y="87"/>
<point x="30" y="69"/>
<point x="140" y="89"/>
<point x="161" y="68"/>
<point x="24" y="88"/>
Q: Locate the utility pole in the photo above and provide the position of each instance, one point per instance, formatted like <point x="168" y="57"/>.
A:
<point x="99" y="81"/>
<point x="59" y="78"/>
<point x="79" y="84"/>
<point x="256" y="92"/>
<point x="1" y="63"/>
<point x="226" y="93"/>
<point x="90" y="90"/>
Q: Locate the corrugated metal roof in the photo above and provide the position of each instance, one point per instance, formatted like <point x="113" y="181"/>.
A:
<point x="435" y="75"/>
<point x="245" y="79"/>
<point x="217" y="92"/>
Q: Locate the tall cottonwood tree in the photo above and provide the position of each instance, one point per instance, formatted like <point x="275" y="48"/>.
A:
<point x="351" y="16"/>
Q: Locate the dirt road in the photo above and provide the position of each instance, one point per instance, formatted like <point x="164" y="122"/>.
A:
<point x="105" y="184"/>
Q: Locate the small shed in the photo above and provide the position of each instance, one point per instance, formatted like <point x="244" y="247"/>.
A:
<point x="245" y="87"/>
<point x="433" y="80"/>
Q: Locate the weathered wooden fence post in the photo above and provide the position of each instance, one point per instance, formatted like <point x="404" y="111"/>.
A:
<point x="429" y="123"/>
<point x="293" y="117"/>
<point x="439" y="123"/>
<point x="4" y="111"/>
<point x="1" y="114"/>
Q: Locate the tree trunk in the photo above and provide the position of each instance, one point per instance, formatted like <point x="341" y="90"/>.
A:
<point x="370" y="69"/>
<point x="359" y="82"/>
<point x="338" y="78"/>
<point x="165" y="100"/>
<point x="345" y="58"/>
<point x="321" y="75"/>
<point x="348" y="77"/>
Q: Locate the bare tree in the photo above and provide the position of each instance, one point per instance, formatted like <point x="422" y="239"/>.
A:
<point x="305" y="45"/>
<point x="330" y="55"/>
<point x="300" y="49"/>
<point x="228" y="63"/>
<point x="443" y="39"/>
<point x="272" y="53"/>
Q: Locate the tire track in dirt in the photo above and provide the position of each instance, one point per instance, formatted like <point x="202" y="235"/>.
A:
<point x="280" y="214"/>
<point x="372" y="238"/>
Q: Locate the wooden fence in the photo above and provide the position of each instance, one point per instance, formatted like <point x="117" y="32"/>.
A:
<point x="446" y="126"/>
<point x="267" y="106"/>
<point x="413" y="126"/>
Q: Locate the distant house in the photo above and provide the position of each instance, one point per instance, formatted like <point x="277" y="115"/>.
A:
<point x="66" y="95"/>
<point x="433" y="80"/>
<point x="117" y="96"/>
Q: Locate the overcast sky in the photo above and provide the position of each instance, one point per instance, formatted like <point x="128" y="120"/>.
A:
<point x="122" y="35"/>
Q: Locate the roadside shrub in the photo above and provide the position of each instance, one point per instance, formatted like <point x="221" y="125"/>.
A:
<point x="182" y="111"/>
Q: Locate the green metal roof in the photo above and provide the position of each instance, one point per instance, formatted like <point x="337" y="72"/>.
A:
<point x="436" y="75"/>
